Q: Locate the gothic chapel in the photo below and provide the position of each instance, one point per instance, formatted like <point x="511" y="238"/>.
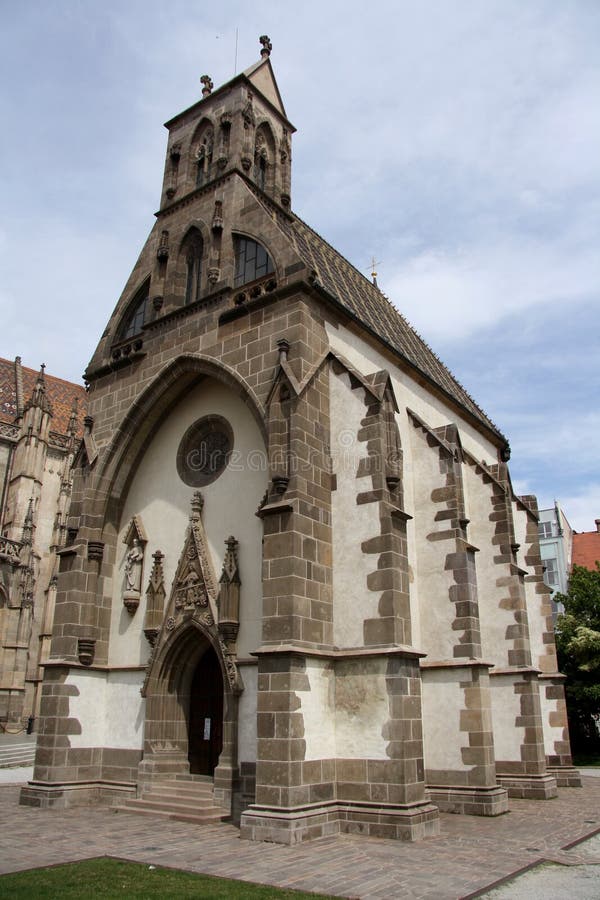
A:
<point x="298" y="589"/>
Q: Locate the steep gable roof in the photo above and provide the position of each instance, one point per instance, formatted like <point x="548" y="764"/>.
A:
<point x="586" y="549"/>
<point x="366" y="304"/>
<point x="61" y="394"/>
<point x="263" y="78"/>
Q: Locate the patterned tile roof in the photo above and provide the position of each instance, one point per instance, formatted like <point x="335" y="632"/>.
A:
<point x="586" y="549"/>
<point x="366" y="303"/>
<point x="61" y="394"/>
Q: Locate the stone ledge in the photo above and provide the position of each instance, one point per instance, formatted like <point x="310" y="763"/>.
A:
<point x="529" y="787"/>
<point x="339" y="652"/>
<point x="409" y="823"/>
<point x="63" y="795"/>
<point x="454" y="663"/>
<point x="566" y="776"/>
<point x="469" y="801"/>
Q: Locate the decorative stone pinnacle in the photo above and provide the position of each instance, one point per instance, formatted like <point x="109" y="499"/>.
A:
<point x="267" y="46"/>
<point x="197" y="504"/>
<point x="208" y="85"/>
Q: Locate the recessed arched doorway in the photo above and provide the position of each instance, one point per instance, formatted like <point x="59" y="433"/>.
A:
<point x="205" y="724"/>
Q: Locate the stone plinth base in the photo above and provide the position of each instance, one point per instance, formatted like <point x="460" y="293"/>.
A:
<point x="566" y="776"/>
<point x="160" y="766"/>
<point x="529" y="787"/>
<point x="69" y="794"/>
<point x="469" y="801"/>
<point x="407" y="823"/>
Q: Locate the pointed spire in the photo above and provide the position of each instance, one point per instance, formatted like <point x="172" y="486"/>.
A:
<point x="229" y="595"/>
<point x="19" y="386"/>
<point x="27" y="536"/>
<point x="197" y="505"/>
<point x="230" y="572"/>
<point x="155" y="597"/>
<point x="38" y="396"/>
<point x="72" y="426"/>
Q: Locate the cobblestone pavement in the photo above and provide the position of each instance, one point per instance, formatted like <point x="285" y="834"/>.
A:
<point x="470" y="854"/>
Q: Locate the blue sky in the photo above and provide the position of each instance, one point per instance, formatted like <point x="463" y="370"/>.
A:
<point x="457" y="142"/>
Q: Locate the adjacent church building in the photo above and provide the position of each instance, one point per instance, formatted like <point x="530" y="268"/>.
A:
<point x="297" y="576"/>
<point x="41" y="424"/>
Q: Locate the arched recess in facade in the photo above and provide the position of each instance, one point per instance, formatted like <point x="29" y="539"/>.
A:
<point x="168" y="694"/>
<point x="120" y="461"/>
<point x="172" y="668"/>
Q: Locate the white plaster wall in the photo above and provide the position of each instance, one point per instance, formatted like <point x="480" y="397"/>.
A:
<point x="493" y="620"/>
<point x="109" y="708"/>
<point x="537" y="622"/>
<point x="506" y="706"/>
<point x="318" y="709"/>
<point x="551" y="733"/>
<point x="433" y="410"/>
<point x="353" y="602"/>
<point x="247" y="715"/>
<point x="345" y="709"/>
<point x="408" y="393"/>
<point x="361" y="709"/>
<point x="434" y="610"/>
<point x="443" y="700"/>
<point x="520" y="527"/>
<point x="162" y="501"/>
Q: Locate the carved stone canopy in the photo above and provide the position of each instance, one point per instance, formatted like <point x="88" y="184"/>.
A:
<point x="135" y="530"/>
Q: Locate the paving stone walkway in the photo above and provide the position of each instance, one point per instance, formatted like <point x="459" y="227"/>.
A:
<point x="470" y="854"/>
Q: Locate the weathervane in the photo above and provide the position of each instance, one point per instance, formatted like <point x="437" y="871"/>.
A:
<point x="374" y="270"/>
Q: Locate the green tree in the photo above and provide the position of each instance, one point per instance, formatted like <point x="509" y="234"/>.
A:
<point x="578" y="648"/>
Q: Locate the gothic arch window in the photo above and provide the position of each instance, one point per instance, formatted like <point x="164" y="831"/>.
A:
<point x="251" y="261"/>
<point x="192" y="250"/>
<point x="138" y="313"/>
<point x="264" y="157"/>
<point x="202" y="152"/>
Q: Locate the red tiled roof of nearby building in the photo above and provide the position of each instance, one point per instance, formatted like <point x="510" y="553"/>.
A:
<point x="60" y="393"/>
<point x="586" y="548"/>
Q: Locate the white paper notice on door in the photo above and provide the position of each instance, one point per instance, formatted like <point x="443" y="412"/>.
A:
<point x="207" y="729"/>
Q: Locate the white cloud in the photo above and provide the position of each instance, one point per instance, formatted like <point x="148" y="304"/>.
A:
<point x="450" y="295"/>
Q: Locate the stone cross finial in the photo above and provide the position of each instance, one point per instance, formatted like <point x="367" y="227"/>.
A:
<point x="208" y="85"/>
<point x="267" y="46"/>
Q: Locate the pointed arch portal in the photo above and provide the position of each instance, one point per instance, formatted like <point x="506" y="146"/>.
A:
<point x="205" y="720"/>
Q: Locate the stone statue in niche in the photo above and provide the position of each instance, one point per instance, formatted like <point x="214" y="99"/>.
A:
<point x="134" y="562"/>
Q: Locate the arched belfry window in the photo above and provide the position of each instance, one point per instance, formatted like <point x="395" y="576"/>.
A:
<point x="138" y="313"/>
<point x="203" y="153"/>
<point x="251" y="261"/>
<point x="192" y="251"/>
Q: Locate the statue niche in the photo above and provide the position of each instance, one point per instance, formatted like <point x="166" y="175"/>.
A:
<point x="136" y="541"/>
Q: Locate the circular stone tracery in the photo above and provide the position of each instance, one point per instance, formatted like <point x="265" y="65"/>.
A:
<point x="204" y="451"/>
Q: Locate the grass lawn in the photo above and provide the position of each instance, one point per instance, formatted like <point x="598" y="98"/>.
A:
<point x="107" y="877"/>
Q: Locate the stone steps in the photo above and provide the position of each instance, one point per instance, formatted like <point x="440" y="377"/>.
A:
<point x="184" y="799"/>
<point x="14" y="755"/>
